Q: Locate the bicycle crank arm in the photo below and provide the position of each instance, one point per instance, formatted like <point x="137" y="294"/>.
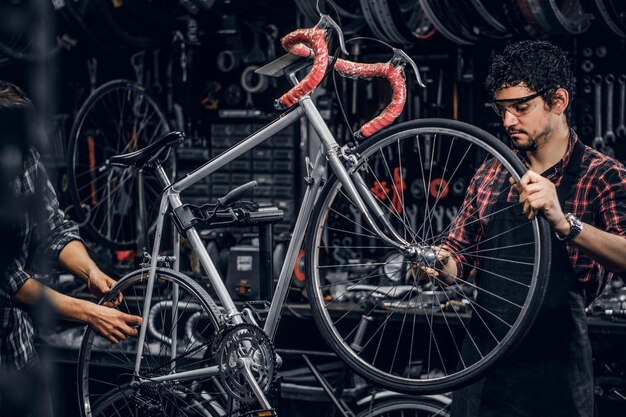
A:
<point x="244" y="364"/>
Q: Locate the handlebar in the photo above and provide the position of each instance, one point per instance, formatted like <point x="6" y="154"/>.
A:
<point x="395" y="76"/>
<point x="312" y="42"/>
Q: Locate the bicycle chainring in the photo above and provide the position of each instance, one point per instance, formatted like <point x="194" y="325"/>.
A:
<point x="245" y="341"/>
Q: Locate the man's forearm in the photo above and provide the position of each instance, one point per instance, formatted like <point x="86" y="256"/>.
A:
<point x="74" y="258"/>
<point x="71" y="308"/>
<point x="606" y="248"/>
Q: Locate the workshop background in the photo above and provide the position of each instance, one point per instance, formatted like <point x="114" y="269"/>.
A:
<point x="194" y="62"/>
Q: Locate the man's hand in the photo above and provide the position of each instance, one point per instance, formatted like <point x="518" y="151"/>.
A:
<point x="538" y="193"/>
<point x="74" y="258"/>
<point x="100" y="284"/>
<point x="444" y="270"/>
<point x="111" y="323"/>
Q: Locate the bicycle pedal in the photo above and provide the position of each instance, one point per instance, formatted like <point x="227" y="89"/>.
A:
<point x="260" y="309"/>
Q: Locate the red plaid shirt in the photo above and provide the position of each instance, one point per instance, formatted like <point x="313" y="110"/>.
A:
<point x="599" y="199"/>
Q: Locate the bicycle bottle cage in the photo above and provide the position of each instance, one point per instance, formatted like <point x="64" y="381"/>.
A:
<point x="239" y="214"/>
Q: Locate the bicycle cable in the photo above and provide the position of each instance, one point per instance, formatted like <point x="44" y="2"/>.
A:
<point x="339" y="102"/>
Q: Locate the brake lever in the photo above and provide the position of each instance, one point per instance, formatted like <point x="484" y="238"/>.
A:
<point x="328" y="22"/>
<point x="399" y="56"/>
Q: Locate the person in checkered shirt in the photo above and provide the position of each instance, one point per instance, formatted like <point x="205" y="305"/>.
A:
<point x="582" y="194"/>
<point x="34" y="227"/>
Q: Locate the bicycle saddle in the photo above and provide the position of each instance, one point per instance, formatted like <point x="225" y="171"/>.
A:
<point x="149" y="154"/>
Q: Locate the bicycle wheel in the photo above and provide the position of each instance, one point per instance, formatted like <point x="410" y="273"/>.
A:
<point x="104" y="367"/>
<point x="118" y="117"/>
<point x="188" y="404"/>
<point x="414" y="335"/>
<point x="406" y="407"/>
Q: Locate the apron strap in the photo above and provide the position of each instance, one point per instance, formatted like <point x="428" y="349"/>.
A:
<point x="571" y="174"/>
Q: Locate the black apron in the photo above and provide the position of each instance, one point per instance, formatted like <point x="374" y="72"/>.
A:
<point x="550" y="372"/>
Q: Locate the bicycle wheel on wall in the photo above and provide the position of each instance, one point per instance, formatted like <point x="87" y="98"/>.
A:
<point x="418" y="335"/>
<point x="118" y="117"/>
<point x="105" y="369"/>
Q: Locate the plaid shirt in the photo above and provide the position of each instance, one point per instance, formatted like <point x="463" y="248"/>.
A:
<point x="47" y="236"/>
<point x="598" y="198"/>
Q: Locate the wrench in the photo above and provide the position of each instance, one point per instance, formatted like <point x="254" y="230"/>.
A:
<point x="598" y="141"/>
<point x="451" y="213"/>
<point x="609" y="136"/>
<point x="620" y="131"/>
<point x="137" y="62"/>
<point x="411" y="212"/>
<point x="438" y="214"/>
<point x="158" y="88"/>
<point x="92" y="67"/>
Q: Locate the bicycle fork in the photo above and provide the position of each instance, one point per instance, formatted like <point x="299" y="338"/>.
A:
<point x="353" y="183"/>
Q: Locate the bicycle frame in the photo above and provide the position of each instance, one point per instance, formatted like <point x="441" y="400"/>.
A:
<point x="329" y="151"/>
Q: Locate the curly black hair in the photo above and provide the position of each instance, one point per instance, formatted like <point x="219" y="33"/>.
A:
<point x="538" y="65"/>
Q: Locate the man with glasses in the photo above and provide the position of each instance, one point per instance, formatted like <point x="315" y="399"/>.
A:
<point x="582" y="194"/>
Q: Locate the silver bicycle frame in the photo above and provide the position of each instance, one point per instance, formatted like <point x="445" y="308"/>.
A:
<point x="329" y="151"/>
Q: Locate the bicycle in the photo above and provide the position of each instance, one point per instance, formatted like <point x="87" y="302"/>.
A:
<point x="373" y="223"/>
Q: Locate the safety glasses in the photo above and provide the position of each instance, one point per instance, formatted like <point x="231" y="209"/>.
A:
<point x="516" y="106"/>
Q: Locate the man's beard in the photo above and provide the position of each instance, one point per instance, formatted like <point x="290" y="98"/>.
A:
<point x="533" y="141"/>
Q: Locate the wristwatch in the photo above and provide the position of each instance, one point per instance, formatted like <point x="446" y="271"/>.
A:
<point x="576" y="226"/>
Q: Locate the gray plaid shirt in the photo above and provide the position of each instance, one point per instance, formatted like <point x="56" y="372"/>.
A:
<point x="41" y="227"/>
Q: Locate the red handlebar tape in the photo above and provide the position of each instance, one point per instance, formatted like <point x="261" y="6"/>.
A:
<point x="298" y="43"/>
<point x="304" y="42"/>
<point x="395" y="75"/>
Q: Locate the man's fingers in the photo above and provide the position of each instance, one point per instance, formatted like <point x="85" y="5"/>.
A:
<point x="129" y="330"/>
<point x="119" y="335"/>
<point x="132" y="320"/>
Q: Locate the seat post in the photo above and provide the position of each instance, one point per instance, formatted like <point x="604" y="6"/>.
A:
<point x="162" y="175"/>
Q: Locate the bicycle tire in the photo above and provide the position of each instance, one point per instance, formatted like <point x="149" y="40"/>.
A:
<point x="118" y="117"/>
<point x="334" y="265"/>
<point x="406" y="407"/>
<point x="430" y="9"/>
<point x="94" y="391"/>
<point x="193" y="404"/>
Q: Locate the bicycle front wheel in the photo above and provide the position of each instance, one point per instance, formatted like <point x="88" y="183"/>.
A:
<point x="181" y="331"/>
<point x="373" y="307"/>
<point x="118" y="117"/>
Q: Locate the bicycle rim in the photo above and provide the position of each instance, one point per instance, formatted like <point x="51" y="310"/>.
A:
<point x="118" y="117"/>
<point x="406" y="407"/>
<point x="417" y="336"/>
<point x="105" y="370"/>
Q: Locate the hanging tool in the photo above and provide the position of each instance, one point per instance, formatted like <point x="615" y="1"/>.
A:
<point x="92" y="67"/>
<point x="156" y="83"/>
<point x="620" y="131"/>
<point x="609" y="136"/>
